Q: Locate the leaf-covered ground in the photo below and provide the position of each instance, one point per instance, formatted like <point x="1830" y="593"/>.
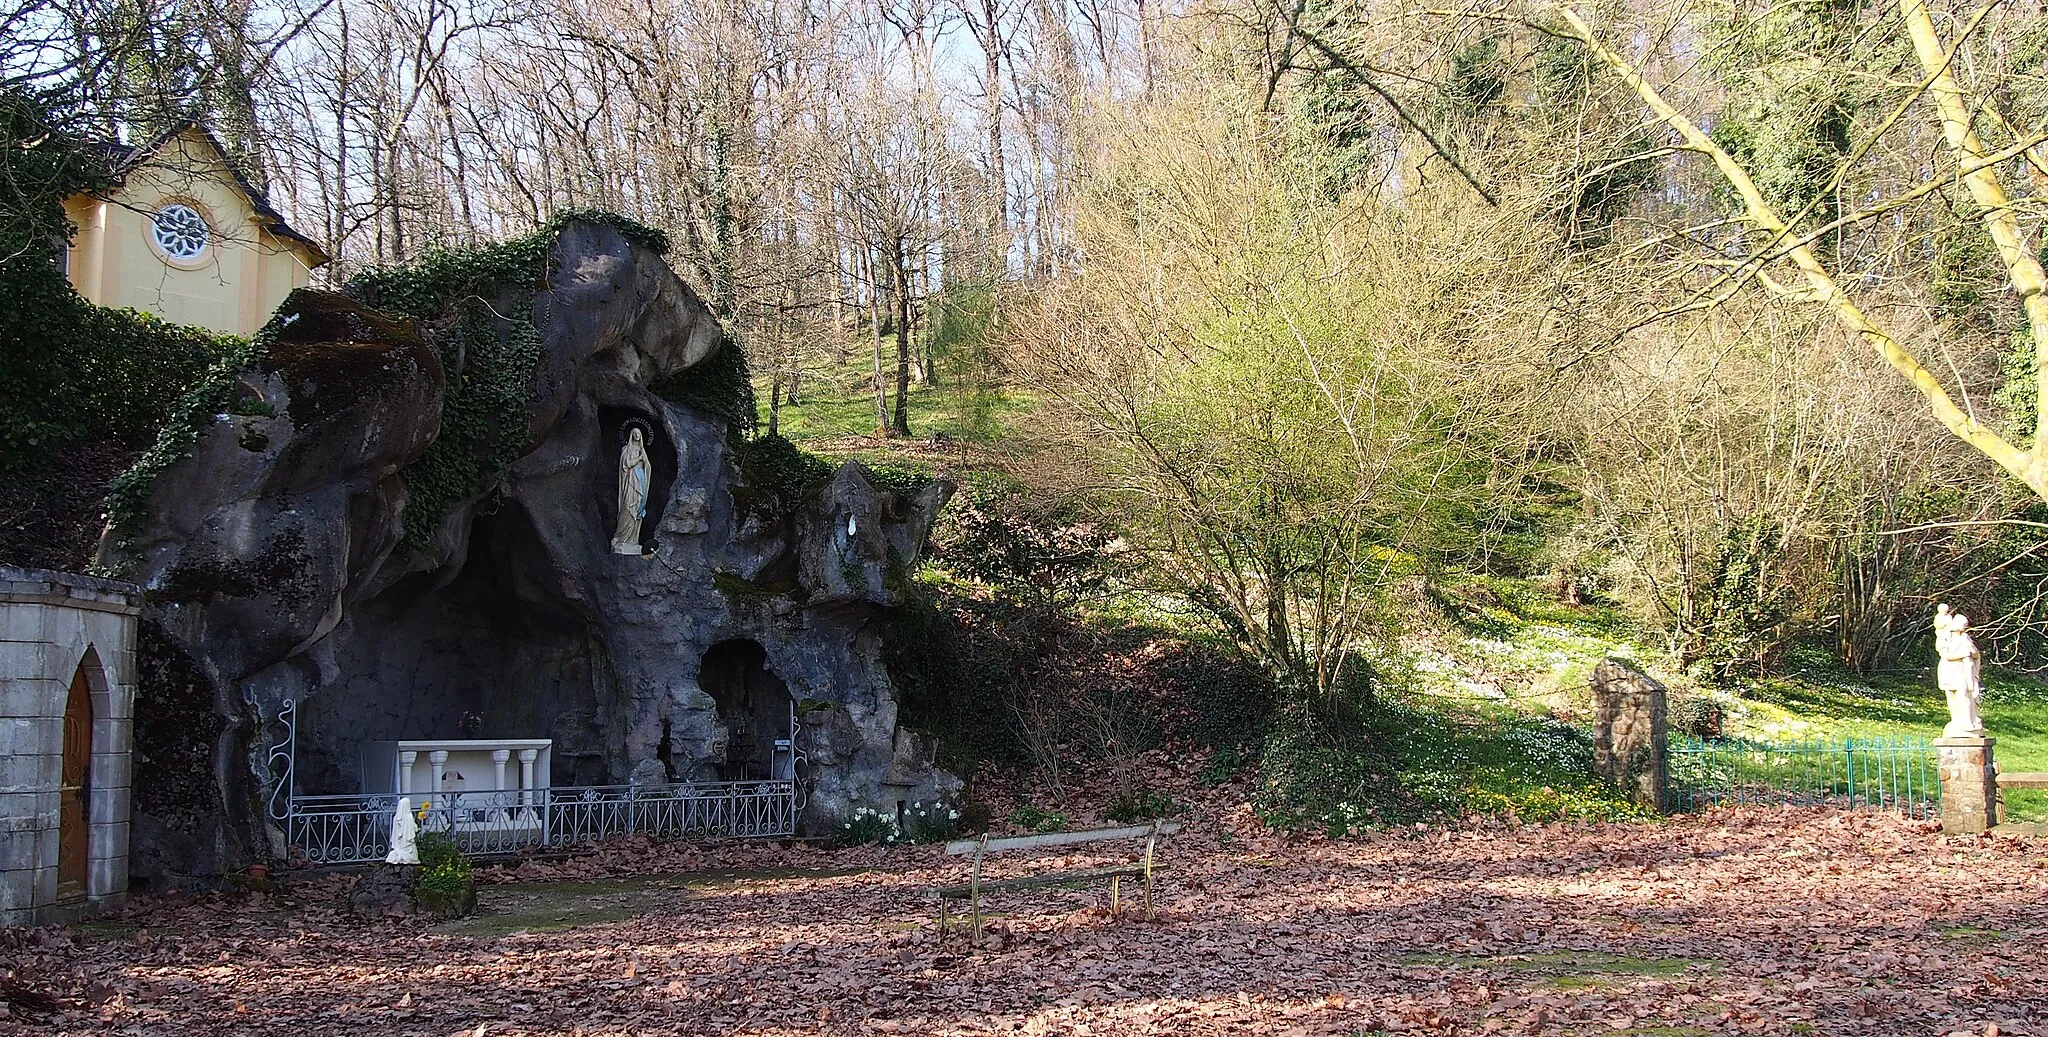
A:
<point x="1759" y="922"/>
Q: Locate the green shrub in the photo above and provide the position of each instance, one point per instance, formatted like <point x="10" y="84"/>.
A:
<point x="1142" y="805"/>
<point x="447" y="886"/>
<point x="1033" y="818"/>
<point x="776" y="478"/>
<point x="719" y="387"/>
<point x="71" y="372"/>
<point x="1698" y="716"/>
<point x="956" y="664"/>
<point x="1223" y="767"/>
<point x="1319" y="770"/>
<point x="1229" y="704"/>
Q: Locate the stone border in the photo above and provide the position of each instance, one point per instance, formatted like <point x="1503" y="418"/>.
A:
<point x="76" y="590"/>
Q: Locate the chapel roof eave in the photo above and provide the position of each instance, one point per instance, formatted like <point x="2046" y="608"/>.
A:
<point x="124" y="159"/>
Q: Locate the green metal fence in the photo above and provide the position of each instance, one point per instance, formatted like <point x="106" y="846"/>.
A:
<point x="1882" y="774"/>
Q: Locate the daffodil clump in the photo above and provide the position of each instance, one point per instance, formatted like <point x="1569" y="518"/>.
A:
<point x="920" y="823"/>
<point x="930" y="824"/>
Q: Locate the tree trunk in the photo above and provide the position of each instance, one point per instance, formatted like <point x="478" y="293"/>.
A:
<point x="999" y="193"/>
<point x="1279" y="635"/>
<point x="875" y="322"/>
<point x="902" y="277"/>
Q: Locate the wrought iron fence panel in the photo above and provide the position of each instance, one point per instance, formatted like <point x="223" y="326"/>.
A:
<point x="339" y="829"/>
<point x="1899" y="775"/>
<point x="356" y="829"/>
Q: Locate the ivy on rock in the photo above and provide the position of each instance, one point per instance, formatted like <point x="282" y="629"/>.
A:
<point x="426" y="288"/>
<point x="484" y="416"/>
<point x="721" y="387"/>
<point x="490" y="358"/>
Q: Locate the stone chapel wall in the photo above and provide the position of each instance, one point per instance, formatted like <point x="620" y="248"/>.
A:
<point x="54" y="627"/>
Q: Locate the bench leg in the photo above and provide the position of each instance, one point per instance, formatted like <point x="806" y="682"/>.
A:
<point x="1115" y="900"/>
<point x="945" y="921"/>
<point x="1151" y="844"/>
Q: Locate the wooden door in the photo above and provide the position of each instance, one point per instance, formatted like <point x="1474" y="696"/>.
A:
<point x="71" y="791"/>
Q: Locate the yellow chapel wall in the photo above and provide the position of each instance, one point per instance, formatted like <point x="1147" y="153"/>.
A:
<point x="231" y="287"/>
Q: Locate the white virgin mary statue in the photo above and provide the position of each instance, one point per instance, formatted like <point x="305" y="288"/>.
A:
<point x="404" y="835"/>
<point x="632" y="495"/>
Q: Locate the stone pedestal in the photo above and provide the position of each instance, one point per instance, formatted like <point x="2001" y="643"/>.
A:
<point x="387" y="891"/>
<point x="1630" y="731"/>
<point x="1969" y="785"/>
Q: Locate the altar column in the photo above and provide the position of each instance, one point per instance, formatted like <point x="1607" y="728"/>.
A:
<point x="406" y="760"/>
<point x="439" y="761"/>
<point x="526" y="758"/>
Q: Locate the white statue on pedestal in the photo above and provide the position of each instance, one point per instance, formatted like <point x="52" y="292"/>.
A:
<point x="404" y="835"/>
<point x="633" y="469"/>
<point x="1959" y="674"/>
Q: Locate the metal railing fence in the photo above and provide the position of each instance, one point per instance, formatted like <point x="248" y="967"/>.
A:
<point x="1900" y="775"/>
<point x="353" y="829"/>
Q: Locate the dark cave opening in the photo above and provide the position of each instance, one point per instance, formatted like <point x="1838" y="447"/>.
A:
<point x="755" y="706"/>
<point x="497" y="645"/>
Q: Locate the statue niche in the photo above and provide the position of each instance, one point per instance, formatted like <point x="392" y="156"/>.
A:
<point x="755" y="707"/>
<point x="633" y="472"/>
<point x="634" y="481"/>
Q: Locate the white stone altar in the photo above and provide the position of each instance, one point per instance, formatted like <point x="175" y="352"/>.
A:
<point x="488" y="782"/>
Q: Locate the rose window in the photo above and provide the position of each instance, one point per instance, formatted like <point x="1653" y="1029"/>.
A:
<point x="180" y="232"/>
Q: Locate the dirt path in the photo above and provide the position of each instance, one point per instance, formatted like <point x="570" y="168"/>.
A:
<point x="1768" y="922"/>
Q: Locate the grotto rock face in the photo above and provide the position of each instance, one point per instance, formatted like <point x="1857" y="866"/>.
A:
<point x="274" y="562"/>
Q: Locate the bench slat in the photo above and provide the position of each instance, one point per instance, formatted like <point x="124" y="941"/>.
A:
<point x="1030" y="842"/>
<point x="1035" y="881"/>
<point x="2024" y="780"/>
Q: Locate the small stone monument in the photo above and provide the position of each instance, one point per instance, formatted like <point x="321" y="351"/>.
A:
<point x="1631" y="731"/>
<point x="633" y="470"/>
<point x="1969" y="774"/>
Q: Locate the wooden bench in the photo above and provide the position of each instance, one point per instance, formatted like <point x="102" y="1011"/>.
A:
<point x="975" y="887"/>
<point x="2016" y="780"/>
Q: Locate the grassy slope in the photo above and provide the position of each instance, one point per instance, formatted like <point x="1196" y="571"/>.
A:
<point x="1539" y="653"/>
<point x="838" y="405"/>
<point x="1483" y="696"/>
<point x="1821" y="702"/>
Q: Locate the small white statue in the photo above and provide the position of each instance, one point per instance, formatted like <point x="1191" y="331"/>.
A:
<point x="404" y="835"/>
<point x="1959" y="674"/>
<point x="633" y="470"/>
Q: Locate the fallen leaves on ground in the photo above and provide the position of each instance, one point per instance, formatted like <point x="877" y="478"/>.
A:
<point x="1752" y="922"/>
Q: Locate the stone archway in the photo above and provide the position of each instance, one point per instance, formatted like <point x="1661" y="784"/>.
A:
<point x="755" y="707"/>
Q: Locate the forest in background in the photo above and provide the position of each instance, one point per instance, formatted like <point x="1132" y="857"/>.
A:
<point x="1274" y="343"/>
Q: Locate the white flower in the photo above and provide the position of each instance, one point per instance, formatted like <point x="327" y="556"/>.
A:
<point x="952" y="815"/>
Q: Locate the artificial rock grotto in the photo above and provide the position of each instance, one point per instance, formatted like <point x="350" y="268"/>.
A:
<point x="279" y="562"/>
